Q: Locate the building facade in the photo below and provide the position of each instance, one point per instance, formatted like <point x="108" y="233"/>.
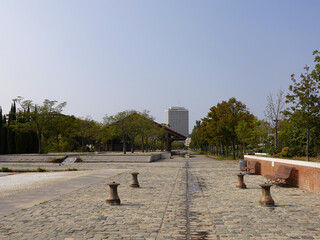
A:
<point x="178" y="119"/>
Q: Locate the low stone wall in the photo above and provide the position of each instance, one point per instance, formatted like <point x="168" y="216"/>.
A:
<point x="305" y="175"/>
<point x="38" y="158"/>
<point x="33" y="158"/>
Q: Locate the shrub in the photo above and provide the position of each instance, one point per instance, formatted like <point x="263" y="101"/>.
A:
<point x="39" y="169"/>
<point x="72" y="169"/>
<point x="285" y="152"/>
<point x="273" y="151"/>
<point x="5" y="169"/>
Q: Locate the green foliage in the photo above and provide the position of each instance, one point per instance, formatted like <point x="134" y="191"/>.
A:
<point x="305" y="105"/>
<point x="5" y="169"/>
<point x="38" y="116"/>
<point x="68" y="144"/>
<point x="129" y="125"/>
<point x="39" y="169"/>
<point x="4" y="145"/>
<point x="285" y="152"/>
<point x="177" y="145"/>
<point x="1" y="125"/>
<point x="272" y="150"/>
<point x="72" y="169"/>
<point x="226" y="124"/>
<point x="87" y="130"/>
<point x="223" y="157"/>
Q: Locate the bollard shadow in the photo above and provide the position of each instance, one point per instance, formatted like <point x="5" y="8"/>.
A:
<point x="253" y="187"/>
<point x="283" y="185"/>
<point x="146" y="187"/>
<point x="273" y="207"/>
<point x="131" y="204"/>
<point x="287" y="205"/>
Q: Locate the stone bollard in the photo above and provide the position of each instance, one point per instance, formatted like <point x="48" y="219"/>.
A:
<point x="113" y="198"/>
<point x="134" y="182"/>
<point x="241" y="183"/>
<point x="266" y="199"/>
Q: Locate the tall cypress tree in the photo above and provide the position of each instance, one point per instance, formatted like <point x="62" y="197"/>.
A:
<point x="21" y="137"/>
<point x="1" y="125"/>
<point x="10" y="132"/>
<point x="4" y="146"/>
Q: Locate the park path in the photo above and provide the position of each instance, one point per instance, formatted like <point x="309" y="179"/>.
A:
<point x="23" y="197"/>
<point x="179" y="198"/>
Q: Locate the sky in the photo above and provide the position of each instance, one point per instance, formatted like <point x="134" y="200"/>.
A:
<point x="103" y="57"/>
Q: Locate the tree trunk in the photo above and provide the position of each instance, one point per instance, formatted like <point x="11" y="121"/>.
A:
<point x="124" y="145"/>
<point x="58" y="146"/>
<point x="147" y="145"/>
<point x="82" y="144"/>
<point x="162" y="143"/>
<point x="243" y="148"/>
<point x="39" y="143"/>
<point x="308" y="141"/>
<point x="276" y="140"/>
<point x="233" y="150"/>
<point x="142" y="140"/>
<point x="132" y="145"/>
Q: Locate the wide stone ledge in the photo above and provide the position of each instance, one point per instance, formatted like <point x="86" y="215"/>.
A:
<point x="40" y="158"/>
<point x="286" y="161"/>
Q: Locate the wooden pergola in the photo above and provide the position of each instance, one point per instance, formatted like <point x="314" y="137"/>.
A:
<point x="171" y="136"/>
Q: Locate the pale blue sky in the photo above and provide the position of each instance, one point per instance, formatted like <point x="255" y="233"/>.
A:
<point x="102" y="57"/>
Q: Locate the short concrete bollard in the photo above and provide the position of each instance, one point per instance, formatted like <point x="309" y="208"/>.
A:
<point x="266" y="199"/>
<point x="134" y="182"/>
<point x="241" y="183"/>
<point x="113" y="198"/>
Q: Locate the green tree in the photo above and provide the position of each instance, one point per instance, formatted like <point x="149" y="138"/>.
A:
<point x="244" y="133"/>
<point x="39" y="116"/>
<point x="134" y="123"/>
<point x="4" y="146"/>
<point x="227" y="116"/>
<point x="146" y="127"/>
<point x="119" y="125"/>
<point x="60" y="126"/>
<point x="87" y="129"/>
<point x="128" y="125"/>
<point x="11" y="135"/>
<point x="1" y="125"/>
<point x="305" y="102"/>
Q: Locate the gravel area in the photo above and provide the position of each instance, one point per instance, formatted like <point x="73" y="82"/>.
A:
<point x="11" y="184"/>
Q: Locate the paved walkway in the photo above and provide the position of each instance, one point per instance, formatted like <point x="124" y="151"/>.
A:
<point x="34" y="195"/>
<point x="178" y="199"/>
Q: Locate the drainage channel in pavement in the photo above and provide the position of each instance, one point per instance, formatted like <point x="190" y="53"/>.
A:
<point x="199" y="222"/>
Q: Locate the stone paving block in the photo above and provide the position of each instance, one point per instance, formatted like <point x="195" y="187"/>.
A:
<point x="179" y="198"/>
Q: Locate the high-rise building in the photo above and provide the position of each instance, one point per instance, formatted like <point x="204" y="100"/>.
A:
<point x="178" y="119"/>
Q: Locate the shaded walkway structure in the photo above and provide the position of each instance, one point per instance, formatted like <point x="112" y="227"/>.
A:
<point x="170" y="136"/>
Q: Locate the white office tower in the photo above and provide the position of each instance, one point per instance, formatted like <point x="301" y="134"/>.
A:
<point x="178" y="119"/>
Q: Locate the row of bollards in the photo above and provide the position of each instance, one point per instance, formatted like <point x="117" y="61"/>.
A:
<point x="113" y="198"/>
<point x="265" y="199"/>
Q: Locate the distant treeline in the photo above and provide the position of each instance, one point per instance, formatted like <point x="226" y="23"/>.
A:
<point x="32" y="128"/>
<point x="291" y="127"/>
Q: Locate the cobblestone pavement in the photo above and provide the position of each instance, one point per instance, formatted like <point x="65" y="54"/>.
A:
<point x="179" y="198"/>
